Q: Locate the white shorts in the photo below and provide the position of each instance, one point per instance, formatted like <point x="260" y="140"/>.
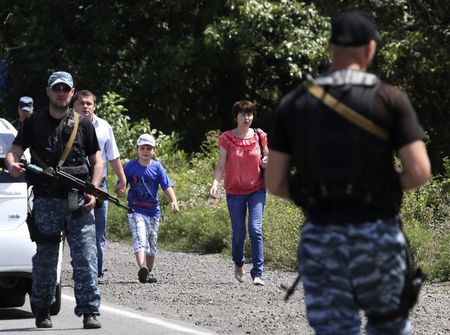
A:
<point x="145" y="233"/>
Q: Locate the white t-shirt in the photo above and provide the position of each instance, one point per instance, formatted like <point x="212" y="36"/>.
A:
<point x="106" y="141"/>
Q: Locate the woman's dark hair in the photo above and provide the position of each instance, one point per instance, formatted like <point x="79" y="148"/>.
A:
<point x="243" y="106"/>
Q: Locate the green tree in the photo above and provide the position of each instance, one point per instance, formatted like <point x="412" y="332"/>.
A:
<point x="182" y="64"/>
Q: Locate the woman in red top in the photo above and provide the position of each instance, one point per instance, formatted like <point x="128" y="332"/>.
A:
<point x="241" y="162"/>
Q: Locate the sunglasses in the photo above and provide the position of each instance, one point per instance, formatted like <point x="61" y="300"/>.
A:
<point x="59" y="88"/>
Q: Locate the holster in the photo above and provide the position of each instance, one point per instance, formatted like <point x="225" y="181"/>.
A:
<point x="414" y="281"/>
<point x="36" y="235"/>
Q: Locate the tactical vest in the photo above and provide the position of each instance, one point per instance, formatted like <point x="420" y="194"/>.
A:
<point x="50" y="151"/>
<point x="333" y="158"/>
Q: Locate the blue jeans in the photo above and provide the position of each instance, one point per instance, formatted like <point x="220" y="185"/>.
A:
<point x="100" y="215"/>
<point x="237" y="207"/>
<point x="351" y="267"/>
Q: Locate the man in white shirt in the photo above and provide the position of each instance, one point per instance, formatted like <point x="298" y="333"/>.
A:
<point x="85" y="104"/>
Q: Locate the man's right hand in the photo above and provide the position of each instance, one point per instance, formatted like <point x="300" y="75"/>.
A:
<point x="17" y="169"/>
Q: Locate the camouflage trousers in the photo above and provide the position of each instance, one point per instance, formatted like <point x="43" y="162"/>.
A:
<point x="350" y="268"/>
<point x="51" y="216"/>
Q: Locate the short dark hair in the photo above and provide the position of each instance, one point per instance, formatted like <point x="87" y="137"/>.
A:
<point x="243" y="106"/>
<point x="85" y="93"/>
<point x="353" y="29"/>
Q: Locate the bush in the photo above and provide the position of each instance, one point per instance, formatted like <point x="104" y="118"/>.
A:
<point x="426" y="217"/>
<point x="201" y="229"/>
<point x="281" y="228"/>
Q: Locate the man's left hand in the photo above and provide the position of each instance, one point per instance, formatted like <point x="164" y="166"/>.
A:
<point x="89" y="202"/>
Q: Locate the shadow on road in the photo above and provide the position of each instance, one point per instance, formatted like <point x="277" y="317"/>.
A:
<point x="14" y="313"/>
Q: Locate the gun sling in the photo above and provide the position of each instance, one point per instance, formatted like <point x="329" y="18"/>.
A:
<point x="67" y="149"/>
<point x="346" y="112"/>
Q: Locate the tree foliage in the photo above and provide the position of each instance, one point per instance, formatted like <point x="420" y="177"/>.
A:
<point x="182" y="64"/>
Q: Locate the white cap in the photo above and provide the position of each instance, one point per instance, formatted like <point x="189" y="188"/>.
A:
<point x="146" y="139"/>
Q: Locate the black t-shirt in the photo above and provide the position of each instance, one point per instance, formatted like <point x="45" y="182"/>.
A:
<point x="391" y="106"/>
<point x="47" y="125"/>
<point x="40" y="133"/>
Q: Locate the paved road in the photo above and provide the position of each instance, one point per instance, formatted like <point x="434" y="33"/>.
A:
<point x="115" y="320"/>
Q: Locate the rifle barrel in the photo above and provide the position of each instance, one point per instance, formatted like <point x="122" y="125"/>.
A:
<point x="79" y="184"/>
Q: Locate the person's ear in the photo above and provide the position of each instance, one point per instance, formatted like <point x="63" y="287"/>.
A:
<point x="371" y="49"/>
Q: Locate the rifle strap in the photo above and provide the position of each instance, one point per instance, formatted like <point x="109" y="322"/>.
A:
<point x="70" y="141"/>
<point x="67" y="149"/>
<point x="346" y="112"/>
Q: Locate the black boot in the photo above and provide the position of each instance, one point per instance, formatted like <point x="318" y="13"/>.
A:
<point x="43" y="318"/>
<point x="90" y="321"/>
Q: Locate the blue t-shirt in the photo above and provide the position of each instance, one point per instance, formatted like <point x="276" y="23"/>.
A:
<point x="144" y="181"/>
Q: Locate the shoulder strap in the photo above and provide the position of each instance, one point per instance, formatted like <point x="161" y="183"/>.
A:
<point x="67" y="149"/>
<point x="70" y="141"/>
<point x="259" y="141"/>
<point x="346" y="112"/>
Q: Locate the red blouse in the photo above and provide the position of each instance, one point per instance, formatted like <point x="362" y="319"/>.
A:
<point x="242" y="169"/>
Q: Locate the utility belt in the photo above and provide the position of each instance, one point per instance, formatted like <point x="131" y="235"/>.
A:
<point x="310" y="194"/>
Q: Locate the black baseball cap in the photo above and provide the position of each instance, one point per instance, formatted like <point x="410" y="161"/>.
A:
<point x="353" y="29"/>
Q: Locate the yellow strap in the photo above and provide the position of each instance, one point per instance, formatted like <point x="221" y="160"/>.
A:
<point x="66" y="151"/>
<point x="70" y="141"/>
<point x="346" y="112"/>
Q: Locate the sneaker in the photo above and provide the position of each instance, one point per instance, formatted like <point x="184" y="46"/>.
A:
<point x="151" y="279"/>
<point x="258" y="281"/>
<point x="239" y="273"/>
<point x="90" y="321"/>
<point x="43" y="319"/>
<point x="142" y="275"/>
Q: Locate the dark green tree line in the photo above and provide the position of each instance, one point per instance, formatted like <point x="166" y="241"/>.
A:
<point x="182" y="64"/>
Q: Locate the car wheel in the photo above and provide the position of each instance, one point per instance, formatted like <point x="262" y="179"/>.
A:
<point x="56" y="306"/>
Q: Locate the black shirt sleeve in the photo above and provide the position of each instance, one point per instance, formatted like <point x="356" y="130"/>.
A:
<point x="404" y="124"/>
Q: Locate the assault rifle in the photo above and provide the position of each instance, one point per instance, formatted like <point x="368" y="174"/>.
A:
<point x="76" y="183"/>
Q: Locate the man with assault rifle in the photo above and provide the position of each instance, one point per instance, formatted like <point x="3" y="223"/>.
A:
<point x="58" y="139"/>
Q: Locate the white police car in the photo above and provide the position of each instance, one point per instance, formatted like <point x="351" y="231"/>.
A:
<point x="16" y="248"/>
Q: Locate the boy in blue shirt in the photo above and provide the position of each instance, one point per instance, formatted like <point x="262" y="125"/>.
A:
<point x="145" y="175"/>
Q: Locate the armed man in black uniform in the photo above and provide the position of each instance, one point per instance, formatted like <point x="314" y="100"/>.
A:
<point x="57" y="138"/>
<point x="331" y="152"/>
